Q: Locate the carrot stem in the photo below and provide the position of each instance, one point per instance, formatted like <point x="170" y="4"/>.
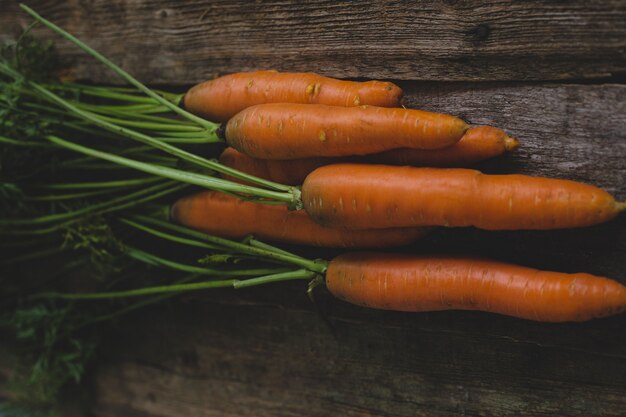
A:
<point x="117" y="92"/>
<point x="300" y="274"/>
<point x="100" y="184"/>
<point x="193" y="158"/>
<point x="50" y="218"/>
<point x="161" y="126"/>
<point x="32" y="255"/>
<point x="134" y="201"/>
<point x="262" y="245"/>
<point x="119" y="71"/>
<point x="159" y="261"/>
<point x="212" y="183"/>
<point x="143" y="138"/>
<point x="136" y="305"/>
<point x="286" y="276"/>
<point x="26" y="143"/>
<point x="318" y="266"/>
<point x="167" y="236"/>
<point x="70" y="196"/>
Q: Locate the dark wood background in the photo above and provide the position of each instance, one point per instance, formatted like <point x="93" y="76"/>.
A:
<point x="550" y="73"/>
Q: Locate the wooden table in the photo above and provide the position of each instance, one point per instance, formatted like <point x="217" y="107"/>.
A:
<point x="549" y="73"/>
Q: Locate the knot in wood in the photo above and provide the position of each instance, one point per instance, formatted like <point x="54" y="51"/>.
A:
<point x="479" y="33"/>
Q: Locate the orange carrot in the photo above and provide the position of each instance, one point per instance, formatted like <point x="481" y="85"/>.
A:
<point x="477" y="144"/>
<point x="292" y="131"/>
<point x="379" y="196"/>
<point x="287" y="171"/>
<point x="417" y="283"/>
<point x="231" y="217"/>
<point x="222" y="98"/>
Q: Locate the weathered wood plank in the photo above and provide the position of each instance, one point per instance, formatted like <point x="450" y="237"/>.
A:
<point x="171" y="42"/>
<point x="570" y="131"/>
<point x="265" y="352"/>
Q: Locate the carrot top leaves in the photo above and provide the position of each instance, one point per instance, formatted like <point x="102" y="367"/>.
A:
<point x="85" y="172"/>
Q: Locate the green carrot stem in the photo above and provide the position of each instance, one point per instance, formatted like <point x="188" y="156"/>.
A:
<point x="76" y="124"/>
<point x="193" y="158"/>
<point x="280" y="256"/>
<point x="50" y="218"/>
<point x="183" y="176"/>
<point x="97" y="91"/>
<point x="128" y="112"/>
<point x="135" y="109"/>
<point x="173" y="133"/>
<point x="98" y="166"/>
<point x="114" y="208"/>
<point x="300" y="274"/>
<point x="101" y="121"/>
<point x="25" y="143"/>
<point x="185" y="140"/>
<point x="287" y="276"/>
<point x="100" y="184"/>
<point x="159" y="261"/>
<point x="32" y="255"/>
<point x="167" y="236"/>
<point x="107" y="93"/>
<point x="250" y="240"/>
<point x="137" y="305"/>
<point x="119" y="71"/>
<point x="151" y="125"/>
<point x="70" y="196"/>
<point x="127" y="151"/>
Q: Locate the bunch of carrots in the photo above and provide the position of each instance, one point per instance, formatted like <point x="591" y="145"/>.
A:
<point x="286" y="158"/>
<point x="375" y="174"/>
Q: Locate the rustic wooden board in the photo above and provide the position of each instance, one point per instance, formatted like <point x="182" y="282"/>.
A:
<point x="266" y="352"/>
<point x="167" y="41"/>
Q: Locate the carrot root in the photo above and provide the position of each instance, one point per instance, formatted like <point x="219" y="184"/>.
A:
<point x="293" y="131"/>
<point x="377" y="196"/>
<point x="221" y="98"/>
<point x="230" y="217"/>
<point x="411" y="283"/>
<point x="510" y="144"/>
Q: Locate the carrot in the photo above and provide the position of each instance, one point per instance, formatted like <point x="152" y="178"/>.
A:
<point x="286" y="171"/>
<point x="231" y="217"/>
<point x="418" y="283"/>
<point x="379" y="196"/>
<point x="477" y="144"/>
<point x="292" y="131"/>
<point x="222" y="98"/>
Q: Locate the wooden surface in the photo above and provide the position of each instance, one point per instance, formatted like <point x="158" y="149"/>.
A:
<point x="267" y="352"/>
<point x="169" y="42"/>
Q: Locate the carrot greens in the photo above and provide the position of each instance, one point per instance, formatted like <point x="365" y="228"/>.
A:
<point x="86" y="175"/>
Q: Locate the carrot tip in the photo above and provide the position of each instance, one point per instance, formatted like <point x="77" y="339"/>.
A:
<point x="510" y="144"/>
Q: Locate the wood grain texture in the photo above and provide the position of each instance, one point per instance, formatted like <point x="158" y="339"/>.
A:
<point x="265" y="351"/>
<point x="169" y="42"/>
<point x="269" y="354"/>
<point x="566" y="130"/>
